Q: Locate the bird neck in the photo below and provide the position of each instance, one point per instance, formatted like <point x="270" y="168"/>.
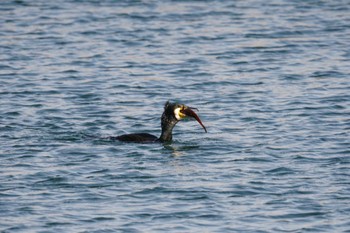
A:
<point x="168" y="123"/>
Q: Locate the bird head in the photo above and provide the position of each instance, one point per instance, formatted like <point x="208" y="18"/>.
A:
<point x="181" y="111"/>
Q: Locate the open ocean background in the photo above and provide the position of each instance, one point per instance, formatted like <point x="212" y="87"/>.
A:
<point x="271" y="80"/>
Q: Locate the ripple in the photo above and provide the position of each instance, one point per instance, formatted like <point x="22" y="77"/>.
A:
<point x="270" y="81"/>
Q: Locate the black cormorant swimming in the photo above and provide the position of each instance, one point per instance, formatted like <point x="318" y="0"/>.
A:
<point x="173" y="113"/>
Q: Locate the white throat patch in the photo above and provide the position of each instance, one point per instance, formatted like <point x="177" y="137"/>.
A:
<point x="177" y="114"/>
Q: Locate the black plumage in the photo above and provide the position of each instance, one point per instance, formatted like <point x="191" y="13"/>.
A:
<point x="173" y="113"/>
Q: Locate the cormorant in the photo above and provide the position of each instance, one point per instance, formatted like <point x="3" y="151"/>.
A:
<point x="173" y="113"/>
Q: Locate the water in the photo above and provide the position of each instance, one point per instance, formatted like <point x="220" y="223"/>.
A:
<point x="271" y="81"/>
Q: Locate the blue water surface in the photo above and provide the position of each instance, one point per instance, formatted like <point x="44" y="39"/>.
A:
<point x="271" y="80"/>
